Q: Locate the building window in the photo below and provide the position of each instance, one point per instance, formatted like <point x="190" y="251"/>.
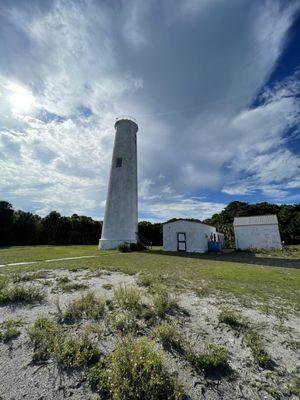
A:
<point x="119" y="162"/>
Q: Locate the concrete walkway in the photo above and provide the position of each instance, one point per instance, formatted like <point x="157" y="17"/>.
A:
<point x="49" y="261"/>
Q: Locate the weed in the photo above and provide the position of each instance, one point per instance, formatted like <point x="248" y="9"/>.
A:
<point x="201" y="291"/>
<point x="74" y="352"/>
<point x="124" y="322"/>
<point x="128" y="298"/>
<point x="87" y="305"/>
<point x="294" y="386"/>
<point x="163" y="302"/>
<point x="107" y="286"/>
<point x="49" y="342"/>
<point x="45" y="336"/>
<point x="9" y="330"/>
<point x="19" y="293"/>
<point x="258" y="352"/>
<point x="63" y="280"/>
<point x="134" y="371"/>
<point x="231" y="318"/>
<point x="145" y="280"/>
<point x="29" y="276"/>
<point x="213" y="360"/>
<point x="169" y="337"/>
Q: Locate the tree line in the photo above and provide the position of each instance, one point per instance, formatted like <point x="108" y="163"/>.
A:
<point x="24" y="228"/>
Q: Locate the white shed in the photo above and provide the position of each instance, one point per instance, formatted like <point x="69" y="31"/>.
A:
<point x="259" y="232"/>
<point x="188" y="235"/>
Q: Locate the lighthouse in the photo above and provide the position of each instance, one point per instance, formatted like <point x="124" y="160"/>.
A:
<point x="121" y="210"/>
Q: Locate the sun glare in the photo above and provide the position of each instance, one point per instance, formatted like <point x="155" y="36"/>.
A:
<point x="21" y="97"/>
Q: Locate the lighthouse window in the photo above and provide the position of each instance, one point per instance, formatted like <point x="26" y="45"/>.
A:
<point x="119" y="162"/>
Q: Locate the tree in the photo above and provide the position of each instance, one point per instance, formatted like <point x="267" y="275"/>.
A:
<point x="6" y="223"/>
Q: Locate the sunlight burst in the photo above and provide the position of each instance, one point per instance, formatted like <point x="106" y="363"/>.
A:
<point x="21" y="97"/>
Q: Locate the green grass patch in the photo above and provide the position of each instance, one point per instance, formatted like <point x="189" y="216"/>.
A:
<point x="163" y="302"/>
<point x="213" y="361"/>
<point x="17" y="293"/>
<point x="259" y="354"/>
<point x="49" y="341"/>
<point x="128" y="298"/>
<point x="86" y="306"/>
<point x="9" y="330"/>
<point x="107" y="286"/>
<point x="134" y="371"/>
<point x="231" y="318"/>
<point x="169" y="337"/>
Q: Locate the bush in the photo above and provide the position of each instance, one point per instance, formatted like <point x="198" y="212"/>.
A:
<point x="231" y="318"/>
<point x="88" y="306"/>
<point x="49" y="342"/>
<point x="124" y="248"/>
<point x="128" y="298"/>
<point x="213" y="360"/>
<point x="9" y="330"/>
<point x="20" y="293"/>
<point x="134" y="371"/>
<point x="163" y="302"/>
<point x="258" y="352"/>
<point x="169" y="337"/>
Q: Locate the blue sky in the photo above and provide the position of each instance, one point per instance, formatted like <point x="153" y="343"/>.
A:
<point x="214" y="85"/>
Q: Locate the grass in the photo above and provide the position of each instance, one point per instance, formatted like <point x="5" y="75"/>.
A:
<point x="214" y="360"/>
<point x="259" y="354"/>
<point x="264" y="278"/>
<point x="163" y="302"/>
<point x="29" y="277"/>
<point x="231" y="318"/>
<point x="128" y="298"/>
<point x="107" y="286"/>
<point x="49" y="341"/>
<point x="134" y="371"/>
<point x="17" y="293"/>
<point x="86" y="306"/>
<point x="9" y="330"/>
<point x="169" y="337"/>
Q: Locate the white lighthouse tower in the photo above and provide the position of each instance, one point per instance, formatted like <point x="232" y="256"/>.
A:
<point x="121" y="211"/>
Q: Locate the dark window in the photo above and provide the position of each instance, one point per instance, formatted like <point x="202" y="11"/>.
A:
<point x="119" y="162"/>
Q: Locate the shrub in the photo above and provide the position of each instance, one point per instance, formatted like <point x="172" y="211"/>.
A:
<point x="231" y="318"/>
<point x="124" y="322"/>
<point x="213" y="360"/>
<point x="128" y="298"/>
<point x="88" y="306"/>
<point x="124" y="248"/>
<point x="49" y="342"/>
<point x="74" y="352"/>
<point x="9" y="330"/>
<point x="258" y="352"/>
<point x="20" y="293"/>
<point x="169" y="337"/>
<point x="163" y="302"/>
<point x="134" y="371"/>
<point x="45" y="336"/>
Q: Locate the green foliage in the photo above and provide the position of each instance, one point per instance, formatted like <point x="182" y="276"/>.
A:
<point x="107" y="286"/>
<point x="124" y="248"/>
<point x="124" y="321"/>
<point x="213" y="360"/>
<point x="128" y="298"/>
<point x="134" y="371"/>
<point x="163" y="302"/>
<point x="145" y="280"/>
<point x="16" y="278"/>
<point x="45" y="336"/>
<point x="88" y="306"/>
<point x="258" y="352"/>
<point x="9" y="330"/>
<point x="169" y="337"/>
<point x="231" y="318"/>
<point x="19" y="293"/>
<point x="74" y="352"/>
<point x="49" y="341"/>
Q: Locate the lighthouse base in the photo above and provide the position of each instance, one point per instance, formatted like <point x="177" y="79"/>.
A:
<point x="111" y="244"/>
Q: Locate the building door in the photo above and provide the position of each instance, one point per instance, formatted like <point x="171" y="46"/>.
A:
<point x="181" y="241"/>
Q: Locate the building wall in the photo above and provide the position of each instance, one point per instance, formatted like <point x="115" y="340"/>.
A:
<point x="197" y="235"/>
<point x="257" y="236"/>
<point x="121" y="211"/>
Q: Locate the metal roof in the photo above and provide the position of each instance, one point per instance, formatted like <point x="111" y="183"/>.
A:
<point x="187" y="220"/>
<point x="256" y="220"/>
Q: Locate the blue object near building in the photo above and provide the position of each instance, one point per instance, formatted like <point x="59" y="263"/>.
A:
<point x="214" y="247"/>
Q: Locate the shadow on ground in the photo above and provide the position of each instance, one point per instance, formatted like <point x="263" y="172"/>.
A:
<point x="237" y="257"/>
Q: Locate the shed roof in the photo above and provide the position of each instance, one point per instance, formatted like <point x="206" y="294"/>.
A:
<point x="256" y="220"/>
<point x="187" y="220"/>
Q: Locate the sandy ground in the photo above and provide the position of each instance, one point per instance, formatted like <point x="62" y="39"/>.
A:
<point x="20" y="378"/>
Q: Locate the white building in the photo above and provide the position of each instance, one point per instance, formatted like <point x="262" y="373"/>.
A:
<point x="259" y="232"/>
<point x="121" y="210"/>
<point x="189" y="236"/>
